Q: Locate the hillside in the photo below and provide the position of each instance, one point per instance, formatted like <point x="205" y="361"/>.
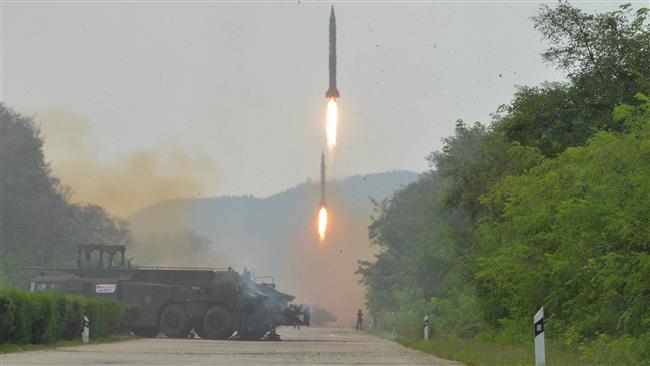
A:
<point x="275" y="235"/>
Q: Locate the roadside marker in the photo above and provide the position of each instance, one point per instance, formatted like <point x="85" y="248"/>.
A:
<point x="85" y="334"/>
<point x="538" y="323"/>
<point x="426" y="327"/>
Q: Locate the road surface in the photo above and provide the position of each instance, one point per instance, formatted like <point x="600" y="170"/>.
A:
<point x="307" y="346"/>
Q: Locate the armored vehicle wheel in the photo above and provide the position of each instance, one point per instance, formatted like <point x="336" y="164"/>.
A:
<point x="217" y="323"/>
<point x="198" y="328"/>
<point x="174" y="322"/>
<point x="147" y="332"/>
<point x="252" y="335"/>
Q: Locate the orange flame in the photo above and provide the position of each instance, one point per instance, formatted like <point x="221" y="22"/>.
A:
<point x="330" y="128"/>
<point x="322" y="223"/>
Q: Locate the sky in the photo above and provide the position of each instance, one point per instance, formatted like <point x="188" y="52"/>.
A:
<point x="231" y="95"/>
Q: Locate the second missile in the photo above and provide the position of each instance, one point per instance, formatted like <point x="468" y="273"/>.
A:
<point x="322" y="180"/>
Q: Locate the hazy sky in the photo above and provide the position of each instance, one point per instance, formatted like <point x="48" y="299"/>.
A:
<point x="242" y="84"/>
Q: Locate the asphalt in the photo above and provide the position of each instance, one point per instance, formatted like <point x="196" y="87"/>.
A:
<point x="306" y="346"/>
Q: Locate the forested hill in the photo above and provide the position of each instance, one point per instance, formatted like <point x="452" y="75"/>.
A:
<point x="243" y="228"/>
<point x="215" y="217"/>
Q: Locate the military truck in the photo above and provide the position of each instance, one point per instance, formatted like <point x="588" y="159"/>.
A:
<point x="217" y="303"/>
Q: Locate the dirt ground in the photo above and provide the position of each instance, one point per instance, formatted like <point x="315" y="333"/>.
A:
<point x="307" y="346"/>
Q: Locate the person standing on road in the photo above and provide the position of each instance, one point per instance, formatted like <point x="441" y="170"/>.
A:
<point x="359" y="320"/>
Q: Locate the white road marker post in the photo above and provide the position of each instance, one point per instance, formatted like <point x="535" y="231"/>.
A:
<point x="85" y="333"/>
<point x="538" y="323"/>
<point x="426" y="327"/>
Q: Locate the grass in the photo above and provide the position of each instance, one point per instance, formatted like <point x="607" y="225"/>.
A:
<point x="11" y="348"/>
<point x="474" y="352"/>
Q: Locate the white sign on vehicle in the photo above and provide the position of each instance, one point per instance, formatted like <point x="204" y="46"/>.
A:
<point x="105" y="288"/>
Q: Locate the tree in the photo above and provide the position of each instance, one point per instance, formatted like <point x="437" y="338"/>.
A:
<point x="40" y="226"/>
<point x="548" y="205"/>
<point x="472" y="160"/>
<point x="572" y="235"/>
<point x="607" y="60"/>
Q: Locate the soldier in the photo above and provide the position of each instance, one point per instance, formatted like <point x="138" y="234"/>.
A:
<point x="359" y="320"/>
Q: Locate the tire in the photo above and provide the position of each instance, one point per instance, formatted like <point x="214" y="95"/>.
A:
<point x="198" y="329"/>
<point x="252" y="335"/>
<point x="217" y="323"/>
<point x="174" y="322"/>
<point x="146" y="332"/>
<point x="252" y="330"/>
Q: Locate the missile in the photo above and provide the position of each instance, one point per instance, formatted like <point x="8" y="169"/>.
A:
<point x="322" y="179"/>
<point x="332" y="92"/>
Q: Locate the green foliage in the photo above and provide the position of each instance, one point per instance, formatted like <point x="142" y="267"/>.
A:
<point x="607" y="45"/>
<point x="607" y="61"/>
<point x="551" y="117"/>
<point x="546" y="206"/>
<point x="487" y="352"/>
<point x="412" y="266"/>
<point x="457" y="315"/>
<point x="397" y="234"/>
<point x="572" y="234"/>
<point x="45" y="318"/>
<point x="106" y="316"/>
<point x="40" y="225"/>
<point x="7" y="319"/>
<point x="624" y="350"/>
<point x="473" y="160"/>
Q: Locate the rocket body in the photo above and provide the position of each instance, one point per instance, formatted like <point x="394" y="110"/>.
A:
<point x="332" y="92"/>
<point x="322" y="179"/>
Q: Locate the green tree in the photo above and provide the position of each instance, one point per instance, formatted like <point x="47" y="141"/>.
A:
<point x="40" y="226"/>
<point x="607" y="61"/>
<point x="548" y="205"/>
<point x="572" y="235"/>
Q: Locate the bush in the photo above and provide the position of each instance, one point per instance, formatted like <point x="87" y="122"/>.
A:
<point x="72" y="310"/>
<point x="44" y="329"/>
<point x="105" y="317"/>
<point x="7" y="318"/>
<point x="43" y="318"/>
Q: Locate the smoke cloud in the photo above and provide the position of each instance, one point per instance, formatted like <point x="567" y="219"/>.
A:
<point x="157" y="190"/>
<point x="125" y="184"/>
<point x="324" y="274"/>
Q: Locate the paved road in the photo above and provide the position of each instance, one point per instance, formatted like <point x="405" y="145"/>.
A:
<point x="308" y="346"/>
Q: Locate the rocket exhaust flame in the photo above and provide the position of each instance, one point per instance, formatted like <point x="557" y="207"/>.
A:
<point x="322" y="214"/>
<point x="330" y="128"/>
<point x="332" y="93"/>
<point x="322" y="223"/>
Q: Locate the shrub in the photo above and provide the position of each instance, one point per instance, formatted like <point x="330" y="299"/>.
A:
<point x="7" y="319"/>
<point x="105" y="317"/>
<point x="47" y="317"/>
